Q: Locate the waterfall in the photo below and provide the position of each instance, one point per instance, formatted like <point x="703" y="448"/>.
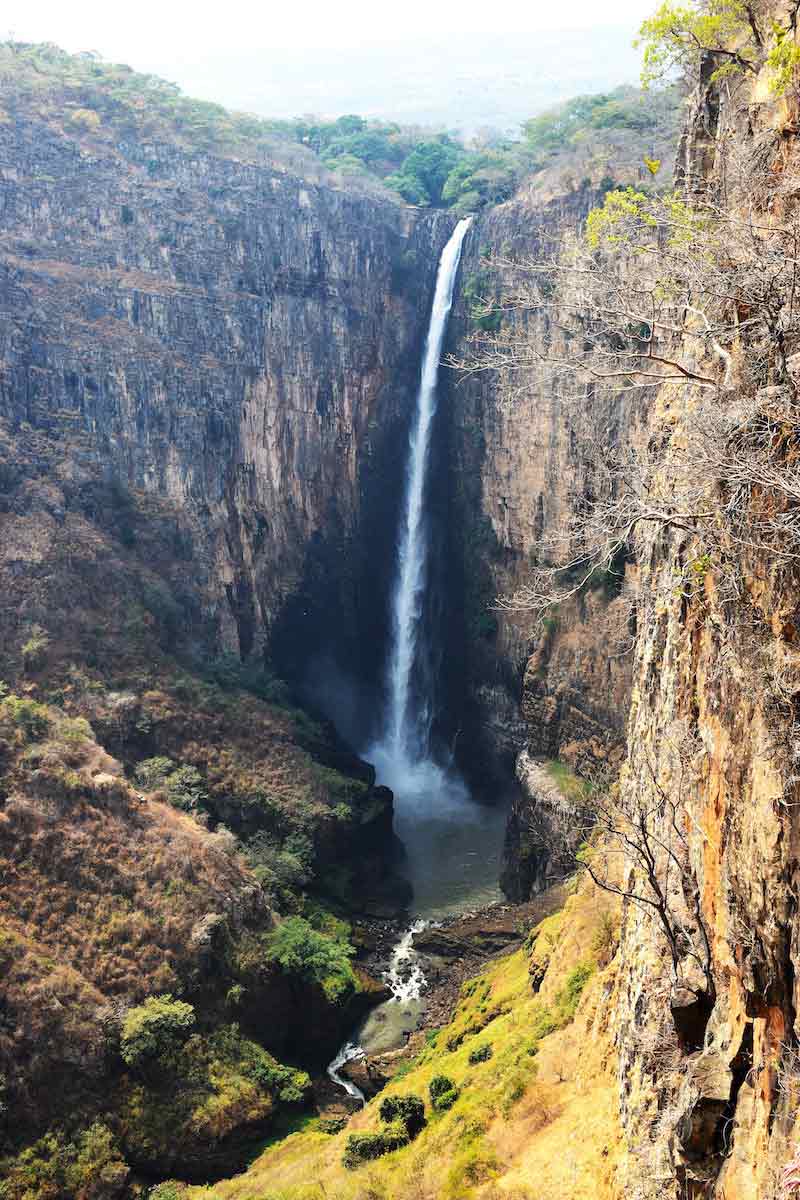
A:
<point x="404" y="747"/>
<point x="453" y="845"/>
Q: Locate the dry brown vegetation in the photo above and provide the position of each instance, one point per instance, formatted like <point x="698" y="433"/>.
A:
<point x="110" y="894"/>
<point x="101" y="891"/>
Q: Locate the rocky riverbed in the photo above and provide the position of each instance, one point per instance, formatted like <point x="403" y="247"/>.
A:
<point x="451" y="950"/>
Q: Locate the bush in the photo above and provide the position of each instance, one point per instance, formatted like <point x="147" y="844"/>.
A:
<point x="227" y="1046"/>
<point x="409" y="1110"/>
<point x="443" y="1093"/>
<point x="544" y="1023"/>
<point x="54" y="1169"/>
<point x="73" y="731"/>
<point x="34" y="649"/>
<point x="32" y="718"/>
<point x="155" y="1029"/>
<point x="361" y="1147"/>
<point x="301" y="951"/>
<point x="282" y="868"/>
<point x="182" y="784"/>
<point x="230" y="673"/>
<point x="572" y="990"/>
<point x="481" y="1053"/>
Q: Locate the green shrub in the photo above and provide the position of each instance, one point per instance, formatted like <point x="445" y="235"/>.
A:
<point x="169" y="1190"/>
<point x="98" y="1165"/>
<point x="184" y="785"/>
<point x="570" y="994"/>
<point x="155" y="1029"/>
<point x="230" y="673"/>
<point x="31" y="718"/>
<point x="301" y="951"/>
<point x="361" y="1147"/>
<point x="543" y="1024"/>
<point x="332" y="1125"/>
<point x="55" y="1169"/>
<point x="443" y="1093"/>
<point x="226" y="1045"/>
<point x="408" y="1110"/>
<point x="481" y="1053"/>
<point x="73" y="731"/>
<point x="283" y="868"/>
<point x="34" y="649"/>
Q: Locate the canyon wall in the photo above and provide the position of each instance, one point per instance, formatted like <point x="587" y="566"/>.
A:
<point x="207" y="371"/>
<point x="708" y="1066"/>
<point x="238" y="341"/>
<point x="704" y="703"/>
<point x="522" y="464"/>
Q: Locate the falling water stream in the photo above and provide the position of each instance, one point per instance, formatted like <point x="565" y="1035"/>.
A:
<point x="452" y="843"/>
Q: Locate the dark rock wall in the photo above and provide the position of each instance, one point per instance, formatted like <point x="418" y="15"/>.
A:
<point x="237" y="340"/>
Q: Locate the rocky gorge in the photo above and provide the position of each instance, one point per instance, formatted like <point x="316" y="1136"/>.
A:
<point x="208" y="365"/>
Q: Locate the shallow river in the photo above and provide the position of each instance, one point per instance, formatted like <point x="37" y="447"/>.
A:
<point x="453" y="848"/>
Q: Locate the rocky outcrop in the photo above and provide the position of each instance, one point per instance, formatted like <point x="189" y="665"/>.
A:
<point x="545" y="828"/>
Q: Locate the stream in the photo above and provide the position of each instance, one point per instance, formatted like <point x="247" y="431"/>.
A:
<point x="454" y="847"/>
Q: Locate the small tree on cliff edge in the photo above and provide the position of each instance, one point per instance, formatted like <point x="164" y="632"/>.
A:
<point x="638" y="850"/>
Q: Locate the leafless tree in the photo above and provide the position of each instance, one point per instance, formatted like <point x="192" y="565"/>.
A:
<point x="638" y="849"/>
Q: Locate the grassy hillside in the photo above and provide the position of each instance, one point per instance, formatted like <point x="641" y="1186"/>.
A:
<point x="529" y="1058"/>
<point x="161" y="807"/>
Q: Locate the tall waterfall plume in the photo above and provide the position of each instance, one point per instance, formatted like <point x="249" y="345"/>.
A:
<point x="403" y="754"/>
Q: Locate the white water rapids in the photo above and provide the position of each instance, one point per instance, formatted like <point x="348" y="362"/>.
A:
<point x="405" y="982"/>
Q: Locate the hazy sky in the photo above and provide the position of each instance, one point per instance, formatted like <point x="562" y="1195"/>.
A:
<point x="404" y="62"/>
<point x="148" y="33"/>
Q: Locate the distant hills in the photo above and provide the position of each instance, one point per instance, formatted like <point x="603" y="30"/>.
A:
<point x="467" y="81"/>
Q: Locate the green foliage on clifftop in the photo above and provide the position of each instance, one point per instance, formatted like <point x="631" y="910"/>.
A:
<point x="98" y="102"/>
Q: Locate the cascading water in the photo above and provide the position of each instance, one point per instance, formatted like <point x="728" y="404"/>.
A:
<point x="402" y="756"/>
<point x="349" y="1052"/>
<point x="452" y="843"/>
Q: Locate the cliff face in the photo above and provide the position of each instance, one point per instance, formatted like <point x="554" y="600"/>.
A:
<point x="713" y="725"/>
<point x="522" y="465"/>
<point x="227" y="337"/>
<point x="206" y="370"/>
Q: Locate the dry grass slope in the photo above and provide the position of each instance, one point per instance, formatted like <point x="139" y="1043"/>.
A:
<point x="535" y="1121"/>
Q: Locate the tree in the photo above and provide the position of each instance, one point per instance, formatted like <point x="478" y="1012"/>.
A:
<point x="303" y="953"/>
<point x="155" y="1029"/>
<point x="409" y="188"/>
<point x="638" y="849"/>
<point x="429" y="165"/>
<point x="679" y="36"/>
